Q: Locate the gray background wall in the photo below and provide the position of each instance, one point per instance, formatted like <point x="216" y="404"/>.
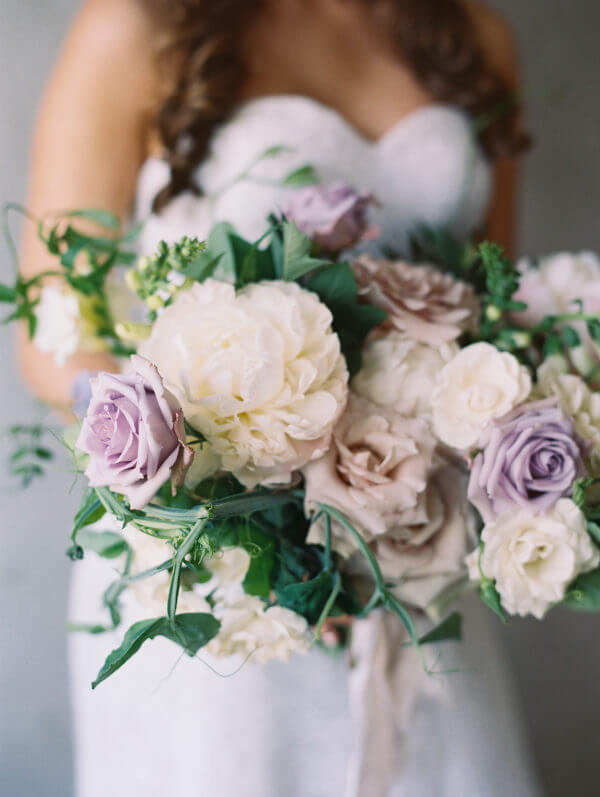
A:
<point x="556" y="662"/>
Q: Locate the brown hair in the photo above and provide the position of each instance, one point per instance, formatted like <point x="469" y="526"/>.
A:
<point x="202" y="41"/>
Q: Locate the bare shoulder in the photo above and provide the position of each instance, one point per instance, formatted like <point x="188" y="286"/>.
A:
<point x="111" y="41"/>
<point x="497" y="38"/>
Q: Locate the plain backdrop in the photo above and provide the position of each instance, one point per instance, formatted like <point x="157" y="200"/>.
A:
<point x="556" y="663"/>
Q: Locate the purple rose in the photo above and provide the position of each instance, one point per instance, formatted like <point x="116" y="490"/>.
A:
<point x="333" y="216"/>
<point x="133" y="432"/>
<point x="529" y="458"/>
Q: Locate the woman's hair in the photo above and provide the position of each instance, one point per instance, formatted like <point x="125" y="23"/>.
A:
<point x="202" y="42"/>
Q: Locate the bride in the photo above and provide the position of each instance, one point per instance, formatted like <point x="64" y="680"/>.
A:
<point x="161" y="109"/>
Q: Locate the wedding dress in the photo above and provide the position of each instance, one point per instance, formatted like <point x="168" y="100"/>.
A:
<point x="316" y="727"/>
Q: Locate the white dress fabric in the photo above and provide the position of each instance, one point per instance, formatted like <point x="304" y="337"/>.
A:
<point x="321" y="725"/>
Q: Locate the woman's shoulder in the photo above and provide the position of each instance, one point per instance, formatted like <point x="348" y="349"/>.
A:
<point x="113" y="39"/>
<point x="497" y="38"/>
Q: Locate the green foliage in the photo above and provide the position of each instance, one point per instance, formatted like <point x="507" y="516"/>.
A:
<point x="584" y="592"/>
<point x="449" y="629"/>
<point x="336" y="287"/>
<point x="190" y="631"/>
<point x="296" y="258"/>
<point x="30" y="453"/>
<point x="305" y="175"/>
<point x="107" y="544"/>
<point x="491" y="597"/>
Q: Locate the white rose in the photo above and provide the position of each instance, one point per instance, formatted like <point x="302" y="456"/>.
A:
<point x="248" y="628"/>
<point x="479" y="384"/>
<point x="260" y="373"/>
<point x="534" y="558"/>
<point x="399" y="372"/>
<point x="575" y="399"/>
<point x="59" y="323"/>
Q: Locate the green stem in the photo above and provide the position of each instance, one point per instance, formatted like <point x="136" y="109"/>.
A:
<point x="337" y="585"/>
<point x="184" y="549"/>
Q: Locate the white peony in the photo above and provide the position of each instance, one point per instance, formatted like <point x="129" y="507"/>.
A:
<point x="575" y="399"/>
<point x="247" y="627"/>
<point x="59" y="328"/>
<point x="260" y="373"/>
<point x="399" y="372"/>
<point x="534" y="558"/>
<point x="479" y="384"/>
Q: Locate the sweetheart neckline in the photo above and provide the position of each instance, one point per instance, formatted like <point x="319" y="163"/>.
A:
<point x="404" y="122"/>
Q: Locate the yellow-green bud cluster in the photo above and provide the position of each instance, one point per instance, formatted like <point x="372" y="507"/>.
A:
<point x="157" y="278"/>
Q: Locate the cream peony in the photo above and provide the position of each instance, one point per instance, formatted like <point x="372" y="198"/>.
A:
<point x="400" y="372"/>
<point x="534" y="558"/>
<point x="479" y="384"/>
<point x="420" y="300"/>
<point x="576" y="400"/>
<point x="260" y="373"/>
<point x="247" y="627"/>
<point x="375" y="473"/>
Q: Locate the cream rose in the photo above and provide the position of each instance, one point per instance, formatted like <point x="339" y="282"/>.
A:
<point x="401" y="373"/>
<point x="375" y="473"/>
<point x="259" y="373"/>
<point x="576" y="400"/>
<point x="479" y="384"/>
<point x="534" y="558"/>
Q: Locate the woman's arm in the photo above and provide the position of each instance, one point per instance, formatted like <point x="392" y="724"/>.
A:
<point x="90" y="139"/>
<point x="498" y="42"/>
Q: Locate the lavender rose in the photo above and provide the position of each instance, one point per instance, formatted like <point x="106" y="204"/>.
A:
<point x="529" y="458"/>
<point x="133" y="432"/>
<point x="333" y="216"/>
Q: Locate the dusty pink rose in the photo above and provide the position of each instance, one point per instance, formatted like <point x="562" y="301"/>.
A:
<point x="133" y="432"/>
<point x="333" y="216"/>
<point x="424" y="303"/>
<point x="429" y="557"/>
<point x="375" y="472"/>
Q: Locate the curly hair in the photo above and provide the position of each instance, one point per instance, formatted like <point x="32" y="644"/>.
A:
<point x="201" y="41"/>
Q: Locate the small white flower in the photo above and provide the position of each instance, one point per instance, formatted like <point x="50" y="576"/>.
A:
<point x="59" y="323"/>
<point x="176" y="278"/>
<point x="399" y="372"/>
<point x="534" y="558"/>
<point x="248" y="628"/>
<point x="479" y="384"/>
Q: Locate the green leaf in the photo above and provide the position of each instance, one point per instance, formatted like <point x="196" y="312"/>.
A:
<point x="491" y="598"/>
<point x="7" y="294"/>
<point x="190" y="631"/>
<point x="594" y="531"/>
<point x="296" y="254"/>
<point x="273" y="152"/>
<point x="90" y="511"/>
<point x="336" y="287"/>
<point x="305" y="175"/>
<point x="262" y="560"/>
<point x="449" y="629"/>
<point x="102" y="217"/>
<point x="219" y="246"/>
<point x="307" y="597"/>
<point x="201" y="267"/>
<point x="570" y="337"/>
<point x="584" y="593"/>
<point x="108" y="544"/>
<point x="593" y="327"/>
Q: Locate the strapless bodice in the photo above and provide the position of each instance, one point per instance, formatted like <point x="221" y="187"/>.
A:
<point x="428" y="169"/>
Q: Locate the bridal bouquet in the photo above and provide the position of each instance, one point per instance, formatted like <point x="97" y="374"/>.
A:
<point x="295" y="436"/>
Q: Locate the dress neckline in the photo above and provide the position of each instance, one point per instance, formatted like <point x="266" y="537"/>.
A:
<point x="405" y="122"/>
